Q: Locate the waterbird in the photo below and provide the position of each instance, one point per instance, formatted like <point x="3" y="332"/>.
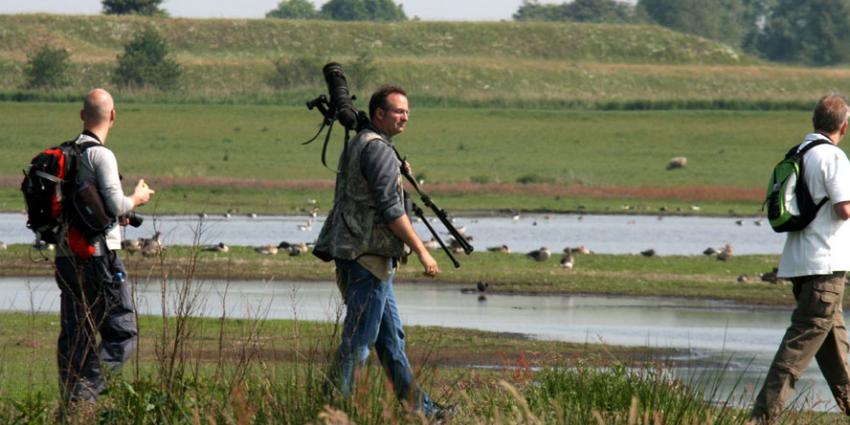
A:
<point x="743" y="278"/>
<point x="770" y="276"/>
<point x="725" y="253"/>
<point x="132" y="246"/>
<point x="648" y="253"/>
<point x="151" y="246"/>
<point x="541" y="254"/>
<point x="3" y="246"/>
<point x="501" y="248"/>
<point x="306" y="227"/>
<point x="677" y="162"/>
<point x="266" y="250"/>
<point x="711" y="251"/>
<point x="298" y="249"/>
<point x="580" y="250"/>
<point x="431" y="244"/>
<point x="739" y="222"/>
<point x="482" y="286"/>
<point x="220" y="247"/>
<point x="567" y="260"/>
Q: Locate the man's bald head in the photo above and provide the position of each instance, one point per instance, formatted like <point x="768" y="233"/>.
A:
<point x="97" y="108"/>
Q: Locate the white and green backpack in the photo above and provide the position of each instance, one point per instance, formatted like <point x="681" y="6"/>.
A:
<point x="790" y="206"/>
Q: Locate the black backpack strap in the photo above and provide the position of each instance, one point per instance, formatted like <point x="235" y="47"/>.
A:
<point x="800" y="155"/>
<point x="797" y="151"/>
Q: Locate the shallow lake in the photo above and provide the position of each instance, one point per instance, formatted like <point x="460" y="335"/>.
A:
<point x="606" y="234"/>
<point x="713" y="332"/>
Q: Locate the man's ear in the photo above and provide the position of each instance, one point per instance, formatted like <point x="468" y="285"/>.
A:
<point x="843" y="129"/>
<point x="111" y="117"/>
<point x="82" y="115"/>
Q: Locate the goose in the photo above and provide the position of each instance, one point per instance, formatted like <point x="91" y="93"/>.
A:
<point x="501" y="248"/>
<point x="153" y="246"/>
<point x="541" y="254"/>
<point x="132" y="246"/>
<point x="266" y="250"/>
<point x="648" y="253"/>
<point x="220" y="247"/>
<point x="677" y="162"/>
<point x="298" y="249"/>
<point x="567" y="261"/>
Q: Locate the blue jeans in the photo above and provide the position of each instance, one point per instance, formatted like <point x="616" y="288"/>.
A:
<point x="372" y="319"/>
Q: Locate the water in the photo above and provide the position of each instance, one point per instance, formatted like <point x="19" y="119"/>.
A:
<point x="606" y="234"/>
<point x="712" y="332"/>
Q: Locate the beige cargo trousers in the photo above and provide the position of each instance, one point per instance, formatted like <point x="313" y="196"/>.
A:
<point x="817" y="330"/>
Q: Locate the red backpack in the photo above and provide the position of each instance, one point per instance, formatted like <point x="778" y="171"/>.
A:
<point x="48" y="186"/>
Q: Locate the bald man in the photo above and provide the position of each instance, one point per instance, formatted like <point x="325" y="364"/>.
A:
<point x="95" y="297"/>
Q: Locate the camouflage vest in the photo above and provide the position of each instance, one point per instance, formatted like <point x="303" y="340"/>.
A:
<point x="354" y="227"/>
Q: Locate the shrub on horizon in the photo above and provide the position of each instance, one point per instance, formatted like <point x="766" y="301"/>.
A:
<point x="145" y="63"/>
<point x="47" y="68"/>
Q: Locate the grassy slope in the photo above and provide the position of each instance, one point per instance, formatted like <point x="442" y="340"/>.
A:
<point x="495" y="64"/>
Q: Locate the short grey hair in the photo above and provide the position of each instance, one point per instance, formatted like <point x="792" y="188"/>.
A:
<point x="831" y="113"/>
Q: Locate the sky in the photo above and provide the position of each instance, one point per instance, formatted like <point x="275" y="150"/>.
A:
<point x="430" y="10"/>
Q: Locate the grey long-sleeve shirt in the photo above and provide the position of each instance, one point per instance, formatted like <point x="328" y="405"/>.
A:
<point x="101" y="166"/>
<point x="380" y="165"/>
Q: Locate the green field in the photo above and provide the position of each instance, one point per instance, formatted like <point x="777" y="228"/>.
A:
<point x="504" y="64"/>
<point x="218" y="157"/>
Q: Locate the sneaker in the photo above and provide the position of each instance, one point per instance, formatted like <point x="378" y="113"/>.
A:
<point x="441" y="414"/>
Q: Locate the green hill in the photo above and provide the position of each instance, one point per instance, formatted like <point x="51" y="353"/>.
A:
<point x="491" y="64"/>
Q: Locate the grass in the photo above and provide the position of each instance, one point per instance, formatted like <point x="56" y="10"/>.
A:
<point x="507" y="64"/>
<point x="214" y="158"/>
<point x="632" y="275"/>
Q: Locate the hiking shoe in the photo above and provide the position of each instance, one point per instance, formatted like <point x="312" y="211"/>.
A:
<point x="441" y="414"/>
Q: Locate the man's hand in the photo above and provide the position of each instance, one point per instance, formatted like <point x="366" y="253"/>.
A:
<point x="402" y="228"/>
<point x="142" y="194"/>
<point x="429" y="263"/>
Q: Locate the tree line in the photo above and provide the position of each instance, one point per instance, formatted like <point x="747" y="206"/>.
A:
<point x="795" y="31"/>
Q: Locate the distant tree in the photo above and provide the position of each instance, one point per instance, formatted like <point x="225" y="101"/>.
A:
<point x="363" y="10"/>
<point x="720" y="20"/>
<point x="294" y="9"/>
<point x="610" y="11"/>
<point x="47" y="68"/>
<point x="145" y="63"/>
<point x="133" y="7"/>
<point x="807" y="31"/>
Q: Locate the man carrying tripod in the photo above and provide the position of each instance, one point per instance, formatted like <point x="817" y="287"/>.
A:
<point x="365" y="234"/>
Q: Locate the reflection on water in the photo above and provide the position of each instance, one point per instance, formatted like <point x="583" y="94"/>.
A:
<point x="607" y="234"/>
<point x="715" y="332"/>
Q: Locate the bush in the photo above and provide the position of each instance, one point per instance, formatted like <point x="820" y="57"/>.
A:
<point x="145" y="63"/>
<point x="296" y="72"/>
<point x="294" y="9"/>
<point x="47" y="68"/>
<point x="133" y="7"/>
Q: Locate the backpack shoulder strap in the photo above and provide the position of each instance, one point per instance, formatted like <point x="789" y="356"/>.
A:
<point x="815" y="143"/>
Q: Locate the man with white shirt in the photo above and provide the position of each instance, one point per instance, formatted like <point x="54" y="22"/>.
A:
<point x="95" y="297"/>
<point x="816" y="259"/>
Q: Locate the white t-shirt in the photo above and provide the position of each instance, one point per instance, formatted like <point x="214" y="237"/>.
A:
<point x="823" y="247"/>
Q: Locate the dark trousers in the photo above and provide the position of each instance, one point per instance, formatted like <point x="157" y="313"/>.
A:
<point x="92" y="301"/>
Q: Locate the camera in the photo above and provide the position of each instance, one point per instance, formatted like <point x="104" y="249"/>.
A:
<point x="134" y="219"/>
<point x="341" y="105"/>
